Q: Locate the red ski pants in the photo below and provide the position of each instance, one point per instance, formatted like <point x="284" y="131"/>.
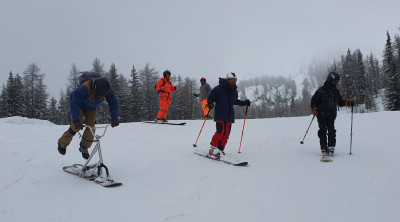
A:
<point x="221" y="137"/>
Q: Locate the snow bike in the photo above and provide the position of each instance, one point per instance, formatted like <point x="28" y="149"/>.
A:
<point x="94" y="171"/>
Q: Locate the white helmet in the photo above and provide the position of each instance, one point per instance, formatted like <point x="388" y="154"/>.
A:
<point x="231" y="75"/>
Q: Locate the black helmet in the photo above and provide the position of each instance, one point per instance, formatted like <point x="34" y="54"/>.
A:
<point x="102" y="86"/>
<point x="332" y="76"/>
<point x="166" y="72"/>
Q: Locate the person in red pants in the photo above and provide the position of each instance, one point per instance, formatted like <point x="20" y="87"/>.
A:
<point x="165" y="88"/>
<point x="225" y="95"/>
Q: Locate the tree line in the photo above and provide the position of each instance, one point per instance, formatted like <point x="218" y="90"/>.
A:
<point x="138" y="100"/>
<point x="363" y="78"/>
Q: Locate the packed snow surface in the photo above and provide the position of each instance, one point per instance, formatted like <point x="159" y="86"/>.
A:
<point x="164" y="181"/>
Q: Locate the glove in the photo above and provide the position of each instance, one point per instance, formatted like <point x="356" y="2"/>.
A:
<point x="197" y="95"/>
<point x="247" y="102"/>
<point x="350" y="102"/>
<point x="174" y="87"/>
<point x="209" y="105"/>
<point x="114" y="122"/>
<point x="77" y="124"/>
<point x="315" y="111"/>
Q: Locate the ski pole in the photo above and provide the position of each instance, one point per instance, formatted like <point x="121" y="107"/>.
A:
<point x="302" y="142"/>
<point x="172" y="106"/>
<point x="205" y="119"/>
<point x="150" y="104"/>
<point x="351" y="129"/>
<point x="244" y="123"/>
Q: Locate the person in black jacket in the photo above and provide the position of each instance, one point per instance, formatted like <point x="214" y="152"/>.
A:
<point x="324" y="105"/>
<point x="225" y="95"/>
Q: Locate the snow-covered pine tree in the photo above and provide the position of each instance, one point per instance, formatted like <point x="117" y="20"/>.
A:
<point x="348" y="69"/>
<point x="135" y="101"/>
<point x="392" y="92"/>
<point x="18" y="105"/>
<point x="306" y="95"/>
<point x="148" y="78"/>
<point x="103" y="115"/>
<point x="397" y="53"/>
<point x="184" y="100"/>
<point x="64" y="108"/>
<point x="40" y="99"/>
<point x="373" y="74"/>
<point x="35" y="92"/>
<point x="123" y="97"/>
<point x="10" y="94"/>
<point x="112" y="76"/>
<point x="370" y="105"/>
<point x="4" y="107"/>
<point x="359" y="78"/>
<point x="53" y="114"/>
<point x="73" y="79"/>
<point x="97" y="66"/>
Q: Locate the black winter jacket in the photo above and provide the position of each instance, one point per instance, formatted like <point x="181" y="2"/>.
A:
<point x="326" y="99"/>
<point x="224" y="97"/>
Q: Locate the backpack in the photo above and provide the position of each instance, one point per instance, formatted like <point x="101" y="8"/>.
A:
<point x="85" y="76"/>
<point x="155" y="86"/>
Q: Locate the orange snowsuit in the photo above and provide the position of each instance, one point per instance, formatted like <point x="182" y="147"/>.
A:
<point x="165" y="88"/>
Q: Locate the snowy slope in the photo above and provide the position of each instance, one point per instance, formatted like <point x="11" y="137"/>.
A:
<point x="164" y="181"/>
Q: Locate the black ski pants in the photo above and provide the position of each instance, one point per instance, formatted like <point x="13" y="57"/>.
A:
<point x="326" y="127"/>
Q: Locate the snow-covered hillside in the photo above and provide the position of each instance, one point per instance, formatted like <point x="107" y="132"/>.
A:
<point x="164" y="181"/>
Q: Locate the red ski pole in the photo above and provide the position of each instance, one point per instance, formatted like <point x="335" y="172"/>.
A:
<point x="205" y="119"/>
<point x="244" y="123"/>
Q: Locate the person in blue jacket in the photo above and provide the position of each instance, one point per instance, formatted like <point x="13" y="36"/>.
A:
<point x="225" y="95"/>
<point x="83" y="107"/>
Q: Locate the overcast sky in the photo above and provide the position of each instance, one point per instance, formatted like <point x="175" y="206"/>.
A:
<point x="204" y="38"/>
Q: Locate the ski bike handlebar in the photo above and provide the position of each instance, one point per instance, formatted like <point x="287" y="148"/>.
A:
<point x="97" y="127"/>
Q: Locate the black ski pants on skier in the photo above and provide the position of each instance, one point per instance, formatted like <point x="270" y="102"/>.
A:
<point x="326" y="127"/>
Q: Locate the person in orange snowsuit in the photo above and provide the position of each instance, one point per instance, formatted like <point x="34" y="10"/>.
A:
<point x="165" y="88"/>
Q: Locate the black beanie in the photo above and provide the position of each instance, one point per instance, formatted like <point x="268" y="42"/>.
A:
<point x="102" y="86"/>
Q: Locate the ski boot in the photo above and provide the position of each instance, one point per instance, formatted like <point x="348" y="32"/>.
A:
<point x="85" y="152"/>
<point x="161" y="121"/>
<point x="215" y="152"/>
<point x="331" y="150"/>
<point x="325" y="152"/>
<point x="61" y="150"/>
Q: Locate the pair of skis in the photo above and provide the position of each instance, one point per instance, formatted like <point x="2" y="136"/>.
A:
<point x="228" y="159"/>
<point x="165" y="123"/>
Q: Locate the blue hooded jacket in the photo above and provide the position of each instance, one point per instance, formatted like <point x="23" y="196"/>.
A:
<point x="224" y="97"/>
<point x="82" y="98"/>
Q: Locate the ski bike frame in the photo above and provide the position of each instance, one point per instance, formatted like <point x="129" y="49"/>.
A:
<point x="89" y="170"/>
